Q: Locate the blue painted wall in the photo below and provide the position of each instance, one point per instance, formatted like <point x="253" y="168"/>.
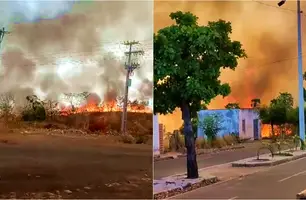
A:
<point x="229" y="120"/>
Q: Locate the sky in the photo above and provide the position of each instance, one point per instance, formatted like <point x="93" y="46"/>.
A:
<point x="61" y="46"/>
<point x="269" y="36"/>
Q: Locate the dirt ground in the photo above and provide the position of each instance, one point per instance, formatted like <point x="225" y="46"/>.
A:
<point x="48" y="166"/>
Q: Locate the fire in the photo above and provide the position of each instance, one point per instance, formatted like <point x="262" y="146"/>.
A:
<point x="111" y="106"/>
<point x="266" y="130"/>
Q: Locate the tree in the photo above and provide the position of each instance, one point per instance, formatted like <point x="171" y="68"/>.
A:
<point x="35" y="110"/>
<point x="232" y="106"/>
<point x="7" y="103"/>
<point x="51" y="108"/>
<point x="255" y="103"/>
<point x="278" y="112"/>
<point x="211" y="125"/>
<point x="75" y="99"/>
<point x="188" y="59"/>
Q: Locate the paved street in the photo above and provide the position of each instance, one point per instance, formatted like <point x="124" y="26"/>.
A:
<point x="177" y="166"/>
<point x="279" y="182"/>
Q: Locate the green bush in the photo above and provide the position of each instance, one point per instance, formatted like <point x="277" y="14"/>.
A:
<point x="211" y="125"/>
<point x="35" y="110"/>
<point x="29" y="114"/>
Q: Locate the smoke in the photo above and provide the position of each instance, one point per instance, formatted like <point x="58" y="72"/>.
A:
<point x="146" y="88"/>
<point x="68" y="46"/>
<point x="267" y="33"/>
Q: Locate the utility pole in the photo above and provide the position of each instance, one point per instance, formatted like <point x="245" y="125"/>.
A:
<point x="130" y="67"/>
<point x="300" y="71"/>
<point x="2" y="33"/>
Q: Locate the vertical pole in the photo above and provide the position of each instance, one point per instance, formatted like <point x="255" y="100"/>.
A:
<point x="124" y="111"/>
<point x="300" y="75"/>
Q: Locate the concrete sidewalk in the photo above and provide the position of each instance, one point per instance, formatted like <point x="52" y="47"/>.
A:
<point x="278" y="182"/>
<point x="177" y="184"/>
<point x="166" y="168"/>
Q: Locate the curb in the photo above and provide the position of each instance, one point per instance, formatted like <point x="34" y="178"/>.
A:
<point x="186" y="188"/>
<point x="269" y="164"/>
<point x="301" y="195"/>
<point x="158" y="158"/>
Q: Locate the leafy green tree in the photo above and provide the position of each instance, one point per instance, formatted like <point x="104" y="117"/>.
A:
<point x="188" y="59"/>
<point x="211" y="125"/>
<point x="232" y="106"/>
<point x="278" y="112"/>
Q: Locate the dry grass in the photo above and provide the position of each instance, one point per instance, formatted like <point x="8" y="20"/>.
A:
<point x="202" y="143"/>
<point x="139" y="126"/>
<point x="230" y="139"/>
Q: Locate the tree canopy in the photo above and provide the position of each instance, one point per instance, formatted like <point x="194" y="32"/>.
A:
<point x="279" y="111"/>
<point x="232" y="106"/>
<point x="188" y="59"/>
<point x="187" y="62"/>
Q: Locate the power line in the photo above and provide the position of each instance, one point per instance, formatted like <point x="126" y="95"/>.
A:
<point x="279" y="8"/>
<point x="112" y="48"/>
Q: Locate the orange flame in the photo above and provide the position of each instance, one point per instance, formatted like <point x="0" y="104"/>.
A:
<point x="266" y="130"/>
<point x="111" y="106"/>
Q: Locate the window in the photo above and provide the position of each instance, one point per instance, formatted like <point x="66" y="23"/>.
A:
<point x="243" y="125"/>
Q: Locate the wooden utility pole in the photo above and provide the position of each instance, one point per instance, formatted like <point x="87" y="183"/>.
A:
<point x="2" y="33"/>
<point x="130" y="67"/>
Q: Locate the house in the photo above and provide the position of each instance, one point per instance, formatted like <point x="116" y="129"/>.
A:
<point x="244" y="122"/>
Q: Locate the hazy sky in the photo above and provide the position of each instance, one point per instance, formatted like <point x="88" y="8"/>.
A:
<point x="268" y="34"/>
<point x="67" y="46"/>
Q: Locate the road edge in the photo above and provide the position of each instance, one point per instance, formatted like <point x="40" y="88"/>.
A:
<point x="171" y="157"/>
<point x="242" y="163"/>
<point x="189" y="187"/>
<point x="301" y="195"/>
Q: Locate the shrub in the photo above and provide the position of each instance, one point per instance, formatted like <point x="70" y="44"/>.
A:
<point x="211" y="125"/>
<point x="35" y="110"/>
<point x="141" y="139"/>
<point x="235" y="136"/>
<point x="201" y="143"/>
<point x="37" y="114"/>
<point x="218" y="143"/>
<point x="265" y="146"/>
<point x="128" y="139"/>
<point x="176" y="141"/>
<point x="230" y="139"/>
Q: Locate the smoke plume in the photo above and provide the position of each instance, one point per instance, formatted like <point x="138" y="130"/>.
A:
<point x="267" y="33"/>
<point x="69" y="46"/>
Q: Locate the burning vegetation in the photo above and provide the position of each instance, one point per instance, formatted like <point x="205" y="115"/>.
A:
<point x="82" y="112"/>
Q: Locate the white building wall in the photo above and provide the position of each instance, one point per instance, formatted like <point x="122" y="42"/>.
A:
<point x="155" y="135"/>
<point x="248" y="115"/>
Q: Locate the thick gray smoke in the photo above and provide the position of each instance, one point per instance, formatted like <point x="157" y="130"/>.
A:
<point x="64" y="46"/>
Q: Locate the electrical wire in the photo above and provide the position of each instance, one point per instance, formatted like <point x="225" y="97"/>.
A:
<point x="269" y="5"/>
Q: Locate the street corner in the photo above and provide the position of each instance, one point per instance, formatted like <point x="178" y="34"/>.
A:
<point x="267" y="160"/>
<point x="174" y="185"/>
<point x="301" y="195"/>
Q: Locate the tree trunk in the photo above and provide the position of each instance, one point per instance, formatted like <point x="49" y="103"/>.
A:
<point x="192" y="165"/>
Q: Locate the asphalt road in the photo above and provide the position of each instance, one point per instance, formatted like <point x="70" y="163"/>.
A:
<point x="178" y="166"/>
<point x="279" y="182"/>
